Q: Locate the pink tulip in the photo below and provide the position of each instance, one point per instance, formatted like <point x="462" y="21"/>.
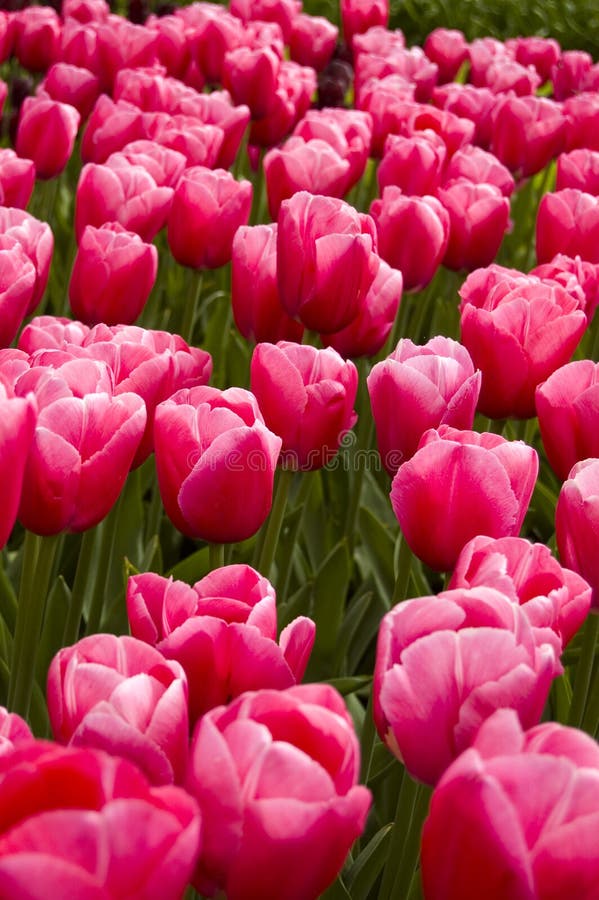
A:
<point x="387" y="101"/>
<point x="312" y="41"/>
<point x="85" y="10"/>
<point x="448" y="49"/>
<point x="36" y="37"/>
<point x="223" y="632"/>
<point x="46" y="134"/>
<point x="17" y="426"/>
<point x="214" y="33"/>
<point x="542" y="53"/>
<point x="73" y="85"/>
<point x="17" y="286"/>
<point x="576" y="275"/>
<point x="129" y="196"/>
<point x="577" y="523"/>
<point x="110" y="127"/>
<point x="578" y="169"/>
<point x="455" y="131"/>
<point x="306" y="397"/>
<point x="469" y="102"/>
<point x="506" y="76"/>
<point x="291" y="100"/>
<point x="569" y="73"/>
<point x="568" y="223"/>
<point x="66" y="809"/>
<point x="444" y="664"/>
<point x="550" y="595"/>
<point x="216" y="462"/>
<point x="201" y="144"/>
<point x="113" y="274"/>
<point x="460" y="484"/>
<point x="358" y="16"/>
<point x="528" y="132"/>
<point x="518" y="331"/>
<point x="413" y="164"/>
<point x="431" y="386"/>
<point x="250" y="75"/>
<point x="274" y="774"/>
<point x="17" y="177"/>
<point x="217" y="109"/>
<point x="37" y="241"/>
<point x="367" y="333"/>
<point x="122" y="45"/>
<point x="50" y="333"/>
<point x="348" y="131"/>
<point x="476" y="165"/>
<point x="325" y="260"/>
<point x="208" y="208"/>
<point x="83" y="447"/>
<point x="120" y="695"/>
<point x="164" y="165"/>
<point x="568" y="410"/>
<point x="281" y="12"/>
<point x="479" y="216"/>
<point x="14" y="731"/>
<point x="582" y="115"/>
<point x="412" y="235"/>
<point x="483" y="52"/>
<point x="257" y="309"/>
<point x="298" y="165"/>
<point x="531" y="799"/>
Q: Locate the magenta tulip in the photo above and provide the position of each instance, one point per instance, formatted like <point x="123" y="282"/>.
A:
<point x="17" y="177"/>
<point x="73" y="85"/>
<point x="528" y="132"/>
<point x="578" y="169"/>
<point x="120" y="695"/>
<point x="17" y="426"/>
<point x="518" y="330"/>
<point x="216" y="461"/>
<point x="417" y="388"/>
<point x="460" y="484"/>
<point x="46" y="134"/>
<point x="274" y="774"/>
<point x="448" y="49"/>
<point x="479" y="216"/>
<point x="480" y="167"/>
<point x="306" y="397"/>
<point x="65" y="809"/>
<point x="532" y="800"/>
<point x="14" y="731"/>
<point x="299" y="165"/>
<point x="577" y="523"/>
<point x="550" y="595"/>
<point x="414" y="164"/>
<point x="444" y="664"/>
<point x="312" y="41"/>
<point x="223" y="632"/>
<point x="568" y="223"/>
<point x="17" y="286"/>
<point x="37" y="241"/>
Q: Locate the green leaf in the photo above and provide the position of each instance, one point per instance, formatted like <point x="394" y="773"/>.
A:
<point x="57" y="607"/>
<point x="329" y="594"/>
<point x="337" y="891"/>
<point x="364" y="871"/>
<point x="350" y="685"/>
<point x="192" y="568"/>
<point x="379" y="542"/>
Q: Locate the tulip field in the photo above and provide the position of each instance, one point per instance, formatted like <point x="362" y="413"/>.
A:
<point x="299" y="452"/>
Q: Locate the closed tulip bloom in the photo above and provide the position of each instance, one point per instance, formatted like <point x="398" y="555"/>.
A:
<point x="367" y="333"/>
<point x="257" y="308"/>
<point x="417" y="388"/>
<point x="208" y="208"/>
<point x="448" y="49"/>
<point x="73" y="85"/>
<point x="459" y="484"/>
<point x="479" y="216"/>
<point x="280" y="12"/>
<point x="17" y="285"/>
<point x="65" y="809"/>
<point x="412" y="235"/>
<point x="568" y="223"/>
<point x="37" y="34"/>
<point x="120" y="695"/>
<point x="480" y="167"/>
<point x="569" y="73"/>
<point x="37" y="241"/>
<point x="577" y="523"/>
<point x="413" y="164"/>
<point x="568" y="410"/>
<point x="164" y="165"/>
<point x="550" y="595"/>
<point x="312" y="41"/>
<point x="50" y="333"/>
<point x="528" y="132"/>
<point x="582" y="115"/>
<point x="17" y="177"/>
<point x="214" y="34"/>
<point x="358" y="17"/>
<point x="129" y="196"/>
<point x="84" y="444"/>
<point x="113" y="274"/>
<point x="17" y="426"/>
<point x="444" y="664"/>
<point x="578" y="169"/>
<point x="455" y="131"/>
<point x="299" y="165"/>
<point x="250" y="75"/>
<point x="506" y="76"/>
<point x="122" y="45"/>
<point x="46" y="134"/>
<point x="576" y="275"/>
<point x="325" y="260"/>
<point x="110" y="127"/>
<point x="223" y="631"/>
<point x="532" y="800"/>
<point x="469" y="102"/>
<point x="542" y="53"/>
<point x="291" y="100"/>
<point x="306" y="397"/>
<point x="348" y="131"/>
<point x="216" y="461"/>
<point x="200" y="144"/>
<point x="517" y="333"/>
<point x="275" y="776"/>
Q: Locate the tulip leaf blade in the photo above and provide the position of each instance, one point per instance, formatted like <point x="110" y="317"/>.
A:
<point x="366" y="868"/>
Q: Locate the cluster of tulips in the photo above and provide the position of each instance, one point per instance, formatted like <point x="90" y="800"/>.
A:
<point x="241" y="448"/>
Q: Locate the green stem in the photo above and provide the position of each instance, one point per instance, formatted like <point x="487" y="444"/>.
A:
<point x="275" y="521"/>
<point x="190" y="309"/>
<point x="89" y="543"/>
<point x="38" y="559"/>
<point x="108" y="530"/>
<point x="216" y="555"/>
<point x="584" y="670"/>
<point x="402" y="577"/>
